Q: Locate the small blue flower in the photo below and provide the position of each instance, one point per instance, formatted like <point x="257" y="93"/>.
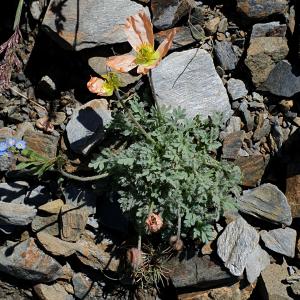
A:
<point x="20" y="145"/>
<point x="11" y="142"/>
<point x="4" y="153"/>
<point x="3" y="146"/>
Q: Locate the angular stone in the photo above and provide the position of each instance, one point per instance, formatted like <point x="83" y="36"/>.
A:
<point x="262" y="131"/>
<point x="247" y="117"/>
<point x="86" y="126"/>
<point x="232" y="144"/>
<point x="281" y="240"/>
<point x="262" y="56"/>
<point x="48" y="224"/>
<point x="16" y="214"/>
<point x="268" y="29"/>
<point x="52" y="207"/>
<point x="266" y="202"/>
<point x="292" y="189"/>
<point x="273" y="286"/>
<point x="26" y="261"/>
<point x="189" y="79"/>
<point x="96" y="256"/>
<point x="182" y="38"/>
<point x="225" y="55"/>
<point x="260" y="9"/>
<point x="257" y="261"/>
<point x="283" y="80"/>
<point x="235" y="244"/>
<point x="82" y="285"/>
<point x="51" y="292"/>
<point x="55" y="245"/>
<point x="253" y="168"/>
<point x="236" y="88"/>
<point x="196" y="272"/>
<point x="211" y="26"/>
<point x="166" y="13"/>
<point x="73" y="222"/>
<point x="296" y="288"/>
<point x="234" y="125"/>
<point x="89" y="24"/>
<point x="43" y="144"/>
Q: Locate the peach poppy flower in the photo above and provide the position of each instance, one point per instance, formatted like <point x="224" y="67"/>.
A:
<point x="154" y="222"/>
<point x="139" y="32"/>
<point x="106" y="86"/>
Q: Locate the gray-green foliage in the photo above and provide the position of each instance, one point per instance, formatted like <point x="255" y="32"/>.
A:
<point x="178" y="174"/>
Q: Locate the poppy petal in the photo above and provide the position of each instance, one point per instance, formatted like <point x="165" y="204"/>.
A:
<point x="164" y="47"/>
<point x="122" y="63"/>
<point x="139" y="30"/>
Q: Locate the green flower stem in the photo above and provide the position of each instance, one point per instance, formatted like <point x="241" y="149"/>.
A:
<point x="154" y="95"/>
<point x="18" y="14"/>
<point x="140" y="242"/>
<point x="178" y="224"/>
<point x="133" y="119"/>
<point x="83" y="179"/>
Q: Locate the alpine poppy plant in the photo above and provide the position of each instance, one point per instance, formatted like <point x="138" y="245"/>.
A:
<point x="139" y="32"/>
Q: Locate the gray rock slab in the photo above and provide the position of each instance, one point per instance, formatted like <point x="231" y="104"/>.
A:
<point x="257" y="261"/>
<point x="82" y="285"/>
<point x="235" y="244"/>
<point x="281" y="240"/>
<point x="52" y="292"/>
<point x="260" y="9"/>
<point x="236" y="88"/>
<point x="266" y="202"/>
<point x="86" y="126"/>
<point x="262" y="131"/>
<point x="85" y="24"/>
<point x="46" y="223"/>
<point x="268" y="29"/>
<point x="232" y="144"/>
<point x="189" y="79"/>
<point x="197" y="271"/>
<point x="26" y="261"/>
<point x="283" y="80"/>
<point x="16" y="214"/>
<point x="225" y="55"/>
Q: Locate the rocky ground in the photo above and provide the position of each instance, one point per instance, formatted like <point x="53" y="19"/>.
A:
<point x="63" y="239"/>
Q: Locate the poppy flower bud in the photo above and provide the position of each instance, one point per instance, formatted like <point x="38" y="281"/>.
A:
<point x="95" y="85"/>
<point x="175" y="243"/>
<point x="154" y="222"/>
<point x="134" y="257"/>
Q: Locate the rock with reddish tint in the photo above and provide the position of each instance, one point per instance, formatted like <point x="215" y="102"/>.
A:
<point x="43" y="144"/>
<point x="90" y="23"/>
<point x="166" y="13"/>
<point x="292" y="190"/>
<point x="273" y="283"/>
<point x="16" y="214"/>
<point x="232" y="144"/>
<point x="261" y="9"/>
<point x="86" y="126"/>
<point x="52" y="207"/>
<point x="257" y="261"/>
<point x="281" y="240"/>
<point x="56" y="246"/>
<point x="235" y="245"/>
<point x="82" y="285"/>
<point x="197" y="271"/>
<point x="96" y="256"/>
<point x="52" y="292"/>
<point x="26" y="261"/>
<point x="252" y="168"/>
<point x="72" y="222"/>
<point x="266" y="202"/>
<point x="182" y="38"/>
<point x="189" y="79"/>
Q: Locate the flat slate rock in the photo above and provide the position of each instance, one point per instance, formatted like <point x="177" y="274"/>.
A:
<point x="266" y="202"/>
<point x="86" y="126"/>
<point x="260" y="9"/>
<point x="257" y="261"/>
<point x="189" y="79"/>
<point x="26" y="261"/>
<point x="268" y="29"/>
<point x="236" y="88"/>
<point x="281" y="240"/>
<point x="235" y="244"/>
<point x="197" y="272"/>
<point x="16" y="214"/>
<point x="225" y="55"/>
<point x="52" y="292"/>
<point x="283" y="80"/>
<point x="89" y="23"/>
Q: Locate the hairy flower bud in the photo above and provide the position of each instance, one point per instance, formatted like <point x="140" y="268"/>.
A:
<point x="154" y="222"/>
<point x="134" y="257"/>
<point x="175" y="243"/>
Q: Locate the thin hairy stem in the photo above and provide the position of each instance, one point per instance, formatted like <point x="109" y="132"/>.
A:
<point x="153" y="94"/>
<point x="178" y="224"/>
<point x="83" y="179"/>
<point x="133" y="119"/>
